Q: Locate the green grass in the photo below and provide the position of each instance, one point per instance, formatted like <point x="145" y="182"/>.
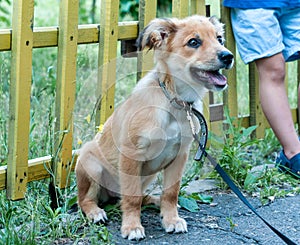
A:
<point x="4" y="96"/>
<point x="32" y="221"/>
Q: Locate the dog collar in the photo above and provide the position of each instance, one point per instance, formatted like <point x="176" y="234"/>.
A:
<point x="175" y="102"/>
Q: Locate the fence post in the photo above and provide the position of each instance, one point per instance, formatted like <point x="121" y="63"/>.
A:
<point x="147" y="12"/>
<point x="198" y="7"/>
<point x="107" y="59"/>
<point x="180" y="8"/>
<point x="256" y="114"/>
<point x="230" y="95"/>
<point x="19" y="104"/>
<point x="65" y="90"/>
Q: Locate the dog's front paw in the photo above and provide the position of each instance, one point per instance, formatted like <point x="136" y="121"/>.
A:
<point x="133" y="232"/>
<point x="177" y="225"/>
<point x="97" y="215"/>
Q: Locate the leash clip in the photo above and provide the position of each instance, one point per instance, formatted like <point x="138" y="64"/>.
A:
<point x="189" y="117"/>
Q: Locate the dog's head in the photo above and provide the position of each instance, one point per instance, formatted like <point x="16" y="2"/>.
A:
<point x="190" y="50"/>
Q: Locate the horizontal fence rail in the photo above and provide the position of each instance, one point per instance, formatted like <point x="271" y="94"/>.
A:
<point x="22" y="38"/>
<point x="44" y="37"/>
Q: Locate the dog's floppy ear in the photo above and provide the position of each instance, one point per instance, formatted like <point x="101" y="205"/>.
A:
<point x="218" y="25"/>
<point x="156" y="33"/>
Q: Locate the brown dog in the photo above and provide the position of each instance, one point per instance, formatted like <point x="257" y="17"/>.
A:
<point x="150" y="131"/>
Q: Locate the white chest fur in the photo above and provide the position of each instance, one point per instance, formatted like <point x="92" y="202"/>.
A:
<point x="166" y="142"/>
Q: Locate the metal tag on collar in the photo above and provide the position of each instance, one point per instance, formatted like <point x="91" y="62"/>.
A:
<point x="189" y="116"/>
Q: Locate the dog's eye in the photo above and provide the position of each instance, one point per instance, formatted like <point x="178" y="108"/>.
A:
<point x="220" y="40"/>
<point x="194" y="43"/>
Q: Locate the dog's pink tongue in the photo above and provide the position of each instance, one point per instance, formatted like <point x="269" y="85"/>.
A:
<point x="217" y="78"/>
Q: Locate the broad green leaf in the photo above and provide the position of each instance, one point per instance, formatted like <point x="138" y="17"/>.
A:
<point x="248" y="131"/>
<point x="251" y="178"/>
<point x="202" y="198"/>
<point x="72" y="201"/>
<point x="189" y="204"/>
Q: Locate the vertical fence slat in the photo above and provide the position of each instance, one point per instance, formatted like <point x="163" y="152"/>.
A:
<point x="230" y="95"/>
<point x="256" y="114"/>
<point x="65" y="89"/>
<point x="147" y="12"/>
<point x="180" y="8"/>
<point x="198" y="7"/>
<point x="3" y="179"/>
<point x="107" y="58"/>
<point x="20" y="87"/>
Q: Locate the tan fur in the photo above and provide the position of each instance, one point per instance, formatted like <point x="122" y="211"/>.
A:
<point x="146" y="134"/>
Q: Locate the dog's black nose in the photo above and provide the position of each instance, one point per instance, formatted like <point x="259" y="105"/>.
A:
<point x="226" y="57"/>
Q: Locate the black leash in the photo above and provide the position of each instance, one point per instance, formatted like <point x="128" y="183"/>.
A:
<point x="201" y="151"/>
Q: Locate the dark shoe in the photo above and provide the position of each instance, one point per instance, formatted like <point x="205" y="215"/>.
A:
<point x="291" y="166"/>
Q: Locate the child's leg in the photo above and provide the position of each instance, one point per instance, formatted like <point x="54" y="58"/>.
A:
<point x="274" y="101"/>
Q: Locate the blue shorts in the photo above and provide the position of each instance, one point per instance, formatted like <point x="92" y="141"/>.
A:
<point x="261" y="33"/>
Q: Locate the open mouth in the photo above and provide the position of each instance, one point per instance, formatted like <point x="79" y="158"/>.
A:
<point x="214" y="78"/>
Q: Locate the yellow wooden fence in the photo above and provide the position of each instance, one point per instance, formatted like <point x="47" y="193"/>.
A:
<point x="22" y="38"/>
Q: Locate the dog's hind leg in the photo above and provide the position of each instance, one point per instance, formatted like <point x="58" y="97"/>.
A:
<point x="90" y="191"/>
<point x="150" y="199"/>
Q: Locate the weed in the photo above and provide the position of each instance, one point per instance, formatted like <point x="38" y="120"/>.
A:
<point x="250" y="162"/>
<point x="231" y="223"/>
<point x="236" y="149"/>
<point x="113" y="211"/>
